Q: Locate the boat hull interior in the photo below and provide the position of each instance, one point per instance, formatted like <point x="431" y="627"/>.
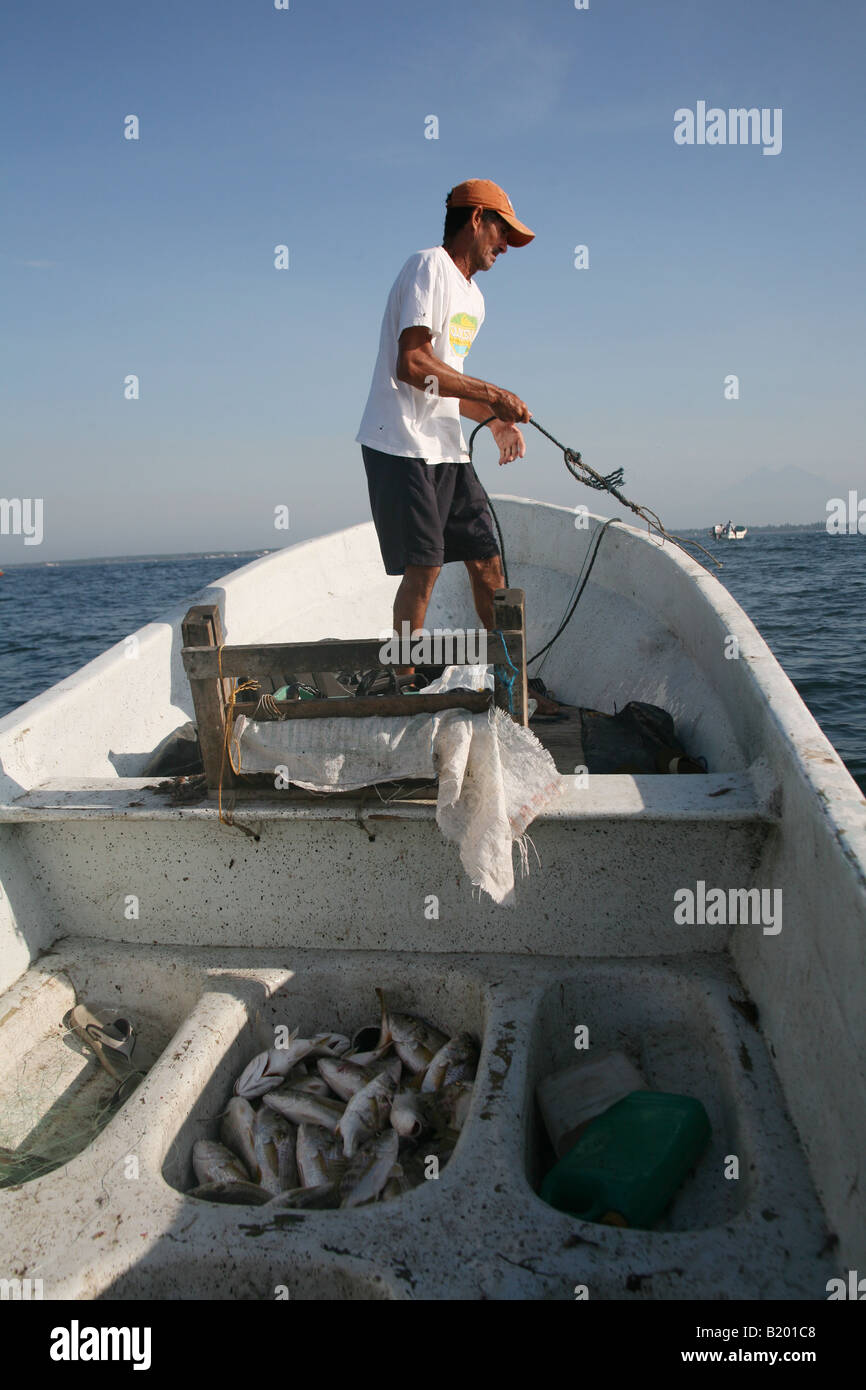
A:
<point x="118" y="892"/>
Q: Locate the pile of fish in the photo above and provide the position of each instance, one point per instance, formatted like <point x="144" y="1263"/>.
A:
<point x="329" y="1121"/>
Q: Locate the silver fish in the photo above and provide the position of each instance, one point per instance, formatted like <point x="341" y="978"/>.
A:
<point x="390" y="1065"/>
<point x="343" y="1077"/>
<point x="367" y="1112"/>
<point x="274" y="1146"/>
<point x="319" y="1156"/>
<point x="287" y="1161"/>
<point x="302" y="1108"/>
<point x="264" y="1073"/>
<point x="337" y="1043"/>
<point x="269" y="1069"/>
<point x="346" y="1078"/>
<point x="364" y="1059"/>
<point x="247" y="1194"/>
<point x="414" y="1113"/>
<point x="415" y="1042"/>
<point x="323" y="1198"/>
<point x="296" y="1049"/>
<point x="410" y="1116"/>
<point x="298" y="1074"/>
<point x="312" y="1085"/>
<point x="369" y="1169"/>
<point x="236" y="1132"/>
<point x="456" y="1097"/>
<point x="213" y="1162"/>
<point x="396" y="1184"/>
<point x="456" y="1061"/>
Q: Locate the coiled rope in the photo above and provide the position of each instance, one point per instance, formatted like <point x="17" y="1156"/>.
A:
<point x="585" y="473"/>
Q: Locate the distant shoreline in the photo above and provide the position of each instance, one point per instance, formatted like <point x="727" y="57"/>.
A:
<point x="781" y="528"/>
<point x="142" y="559"/>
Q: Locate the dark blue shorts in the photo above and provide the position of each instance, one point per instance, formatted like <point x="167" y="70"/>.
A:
<point x="427" y="513"/>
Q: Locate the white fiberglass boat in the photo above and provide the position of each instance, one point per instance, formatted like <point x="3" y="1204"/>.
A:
<point x="710" y="926"/>
<point x="728" y="532"/>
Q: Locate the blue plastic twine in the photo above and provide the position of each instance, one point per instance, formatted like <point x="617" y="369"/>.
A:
<point x="507" y="681"/>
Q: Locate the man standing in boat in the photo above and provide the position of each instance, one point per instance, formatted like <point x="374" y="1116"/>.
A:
<point x="428" y="506"/>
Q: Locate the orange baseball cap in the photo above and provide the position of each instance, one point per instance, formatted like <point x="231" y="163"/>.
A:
<point x="481" y="193"/>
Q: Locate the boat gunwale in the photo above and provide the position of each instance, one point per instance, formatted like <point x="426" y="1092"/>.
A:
<point x="835" y="793"/>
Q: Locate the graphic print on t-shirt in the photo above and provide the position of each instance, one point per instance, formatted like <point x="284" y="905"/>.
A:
<point x="461" y="331"/>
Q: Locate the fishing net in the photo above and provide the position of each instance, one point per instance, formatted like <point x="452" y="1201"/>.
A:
<point x="54" y="1101"/>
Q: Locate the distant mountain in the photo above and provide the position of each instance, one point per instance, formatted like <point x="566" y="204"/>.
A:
<point x="769" y="496"/>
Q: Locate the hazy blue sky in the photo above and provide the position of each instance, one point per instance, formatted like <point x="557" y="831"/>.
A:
<point x="307" y="127"/>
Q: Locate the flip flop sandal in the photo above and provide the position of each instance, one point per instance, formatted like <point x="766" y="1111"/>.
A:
<point x="108" y="1043"/>
<point x="118" y="1036"/>
<point x="535" y="686"/>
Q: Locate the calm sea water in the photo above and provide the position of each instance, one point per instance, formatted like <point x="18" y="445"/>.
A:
<point x="806" y="593"/>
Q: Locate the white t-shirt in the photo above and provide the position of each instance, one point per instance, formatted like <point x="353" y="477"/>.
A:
<point x="401" y="419"/>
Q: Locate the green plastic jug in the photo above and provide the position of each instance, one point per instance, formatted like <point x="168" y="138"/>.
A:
<point x="628" y="1163"/>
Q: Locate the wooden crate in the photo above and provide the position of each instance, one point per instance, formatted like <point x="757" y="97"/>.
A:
<point x="213" y="668"/>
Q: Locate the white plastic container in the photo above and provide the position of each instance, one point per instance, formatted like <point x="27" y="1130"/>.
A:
<point x="570" y="1098"/>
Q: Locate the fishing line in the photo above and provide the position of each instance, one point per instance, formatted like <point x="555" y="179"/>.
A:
<point x="579" y="586"/>
<point x="610" y="482"/>
<point x="602" y="482"/>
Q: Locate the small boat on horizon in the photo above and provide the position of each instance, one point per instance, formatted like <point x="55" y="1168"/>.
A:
<point x="727" y="531"/>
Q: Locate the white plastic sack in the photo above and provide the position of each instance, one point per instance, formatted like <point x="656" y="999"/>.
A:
<point x="494" y="776"/>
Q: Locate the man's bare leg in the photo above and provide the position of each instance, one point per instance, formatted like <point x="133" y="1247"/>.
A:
<point x="486" y="577"/>
<point x="412" y="600"/>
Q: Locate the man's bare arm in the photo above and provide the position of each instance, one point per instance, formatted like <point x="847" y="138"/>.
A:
<point x="509" y="438"/>
<point x="418" y="365"/>
<point x="476" y="410"/>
